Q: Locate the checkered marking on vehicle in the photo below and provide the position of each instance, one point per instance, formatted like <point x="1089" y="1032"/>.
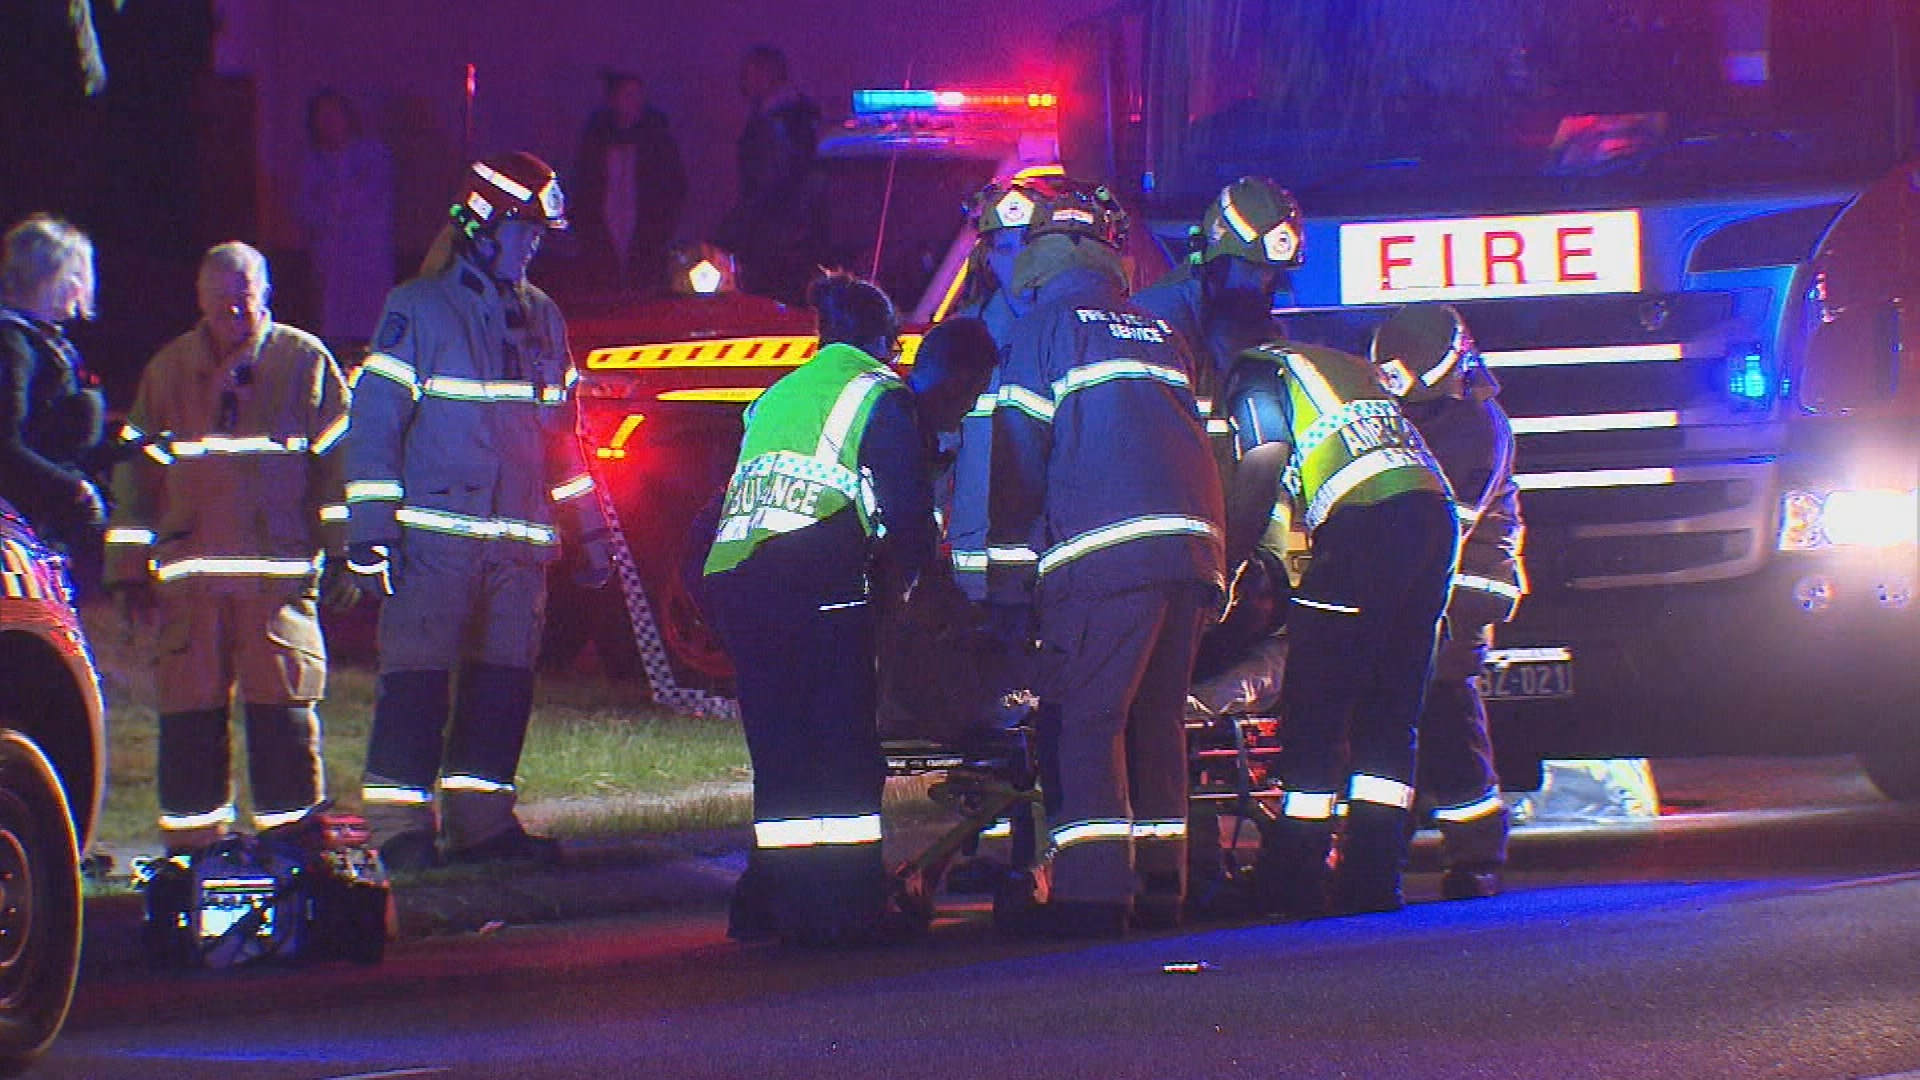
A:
<point x="23" y="577"/>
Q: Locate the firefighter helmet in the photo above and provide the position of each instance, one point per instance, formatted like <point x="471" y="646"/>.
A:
<point x="1253" y="219"/>
<point x="1418" y="347"/>
<point x="510" y="187"/>
<point x="1081" y="209"/>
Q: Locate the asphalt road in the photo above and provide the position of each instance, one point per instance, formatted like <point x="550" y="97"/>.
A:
<point x="1770" y="928"/>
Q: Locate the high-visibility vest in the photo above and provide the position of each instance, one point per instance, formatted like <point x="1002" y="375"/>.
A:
<point x="800" y="461"/>
<point x="1351" y="444"/>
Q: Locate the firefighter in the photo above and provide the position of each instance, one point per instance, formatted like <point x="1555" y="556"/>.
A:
<point x="1250" y="236"/>
<point x="1001" y="212"/>
<point x="463" y="473"/>
<point x="1104" y="541"/>
<point x="832" y="461"/>
<point x="1427" y="358"/>
<point x="1314" y="428"/>
<point x="228" y="528"/>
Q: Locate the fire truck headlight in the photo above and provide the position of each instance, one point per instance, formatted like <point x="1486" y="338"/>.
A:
<point x="1811" y="520"/>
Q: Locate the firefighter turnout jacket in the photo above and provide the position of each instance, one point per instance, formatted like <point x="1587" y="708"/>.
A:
<point x="237" y="478"/>
<point x="1074" y="509"/>
<point x="464" y="424"/>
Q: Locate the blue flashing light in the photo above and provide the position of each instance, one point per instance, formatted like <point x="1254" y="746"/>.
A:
<point x="1747" y="380"/>
<point x="871" y="102"/>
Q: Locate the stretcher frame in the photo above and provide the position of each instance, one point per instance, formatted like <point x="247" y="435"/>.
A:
<point x="994" y="776"/>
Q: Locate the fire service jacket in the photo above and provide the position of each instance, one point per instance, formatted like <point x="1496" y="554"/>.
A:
<point x="464" y="424"/>
<point x="237" y="473"/>
<point x="1102" y="477"/>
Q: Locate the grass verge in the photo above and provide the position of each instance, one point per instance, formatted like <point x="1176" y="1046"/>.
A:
<point x="601" y="758"/>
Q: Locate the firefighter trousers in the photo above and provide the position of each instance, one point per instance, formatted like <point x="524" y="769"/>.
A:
<point x="1116" y="670"/>
<point x="482" y="618"/>
<point x="804" y="661"/>
<point x="1458" y="786"/>
<point x="258" y="639"/>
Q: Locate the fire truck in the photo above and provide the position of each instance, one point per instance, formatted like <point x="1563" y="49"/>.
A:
<point x="1683" y="234"/>
<point x="664" y="383"/>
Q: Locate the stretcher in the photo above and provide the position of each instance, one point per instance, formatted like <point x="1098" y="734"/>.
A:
<point x="989" y="780"/>
<point x="945" y="717"/>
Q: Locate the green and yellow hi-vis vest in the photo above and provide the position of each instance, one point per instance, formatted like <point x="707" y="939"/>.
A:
<point x="1351" y="444"/>
<point x="800" y="461"/>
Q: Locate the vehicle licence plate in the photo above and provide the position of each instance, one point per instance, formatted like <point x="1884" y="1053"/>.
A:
<point x="1527" y="674"/>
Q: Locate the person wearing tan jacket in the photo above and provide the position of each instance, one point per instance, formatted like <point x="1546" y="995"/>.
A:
<point x="222" y="523"/>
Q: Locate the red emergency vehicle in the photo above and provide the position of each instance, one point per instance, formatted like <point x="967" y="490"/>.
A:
<point x="664" y="383"/>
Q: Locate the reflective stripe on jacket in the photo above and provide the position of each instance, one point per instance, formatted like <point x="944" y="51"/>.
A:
<point x="1351" y="444"/>
<point x="799" y="462"/>
<point x="464" y="421"/>
<point x="966" y="520"/>
<point x="239" y="476"/>
<point x="1102" y="476"/>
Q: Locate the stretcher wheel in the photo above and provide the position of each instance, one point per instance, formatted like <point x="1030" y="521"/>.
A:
<point x="910" y="899"/>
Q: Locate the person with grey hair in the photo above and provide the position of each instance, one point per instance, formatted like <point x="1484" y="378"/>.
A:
<point x="228" y="530"/>
<point x="49" y="416"/>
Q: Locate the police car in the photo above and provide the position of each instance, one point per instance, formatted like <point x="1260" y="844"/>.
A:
<point x="52" y="771"/>
<point x="664" y="382"/>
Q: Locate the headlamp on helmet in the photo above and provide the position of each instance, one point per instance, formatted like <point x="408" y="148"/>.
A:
<point x="1418" y="347"/>
<point x="1256" y="220"/>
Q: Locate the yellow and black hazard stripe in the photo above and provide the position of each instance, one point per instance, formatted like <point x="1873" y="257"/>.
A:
<point x="787" y="350"/>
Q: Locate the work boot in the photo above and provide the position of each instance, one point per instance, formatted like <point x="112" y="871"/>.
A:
<point x="1372" y="856"/>
<point x="1290" y="879"/>
<point x="410" y="852"/>
<point x="187" y="843"/>
<point x="750" y="910"/>
<point x="514" y="845"/>
<point x="1473" y="882"/>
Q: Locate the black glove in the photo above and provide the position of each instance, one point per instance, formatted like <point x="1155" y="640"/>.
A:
<point x="593" y="563"/>
<point x="379" y="563"/>
<point x="339" y="591"/>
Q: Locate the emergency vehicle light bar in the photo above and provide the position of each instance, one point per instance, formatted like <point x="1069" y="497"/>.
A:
<point x="875" y="102"/>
